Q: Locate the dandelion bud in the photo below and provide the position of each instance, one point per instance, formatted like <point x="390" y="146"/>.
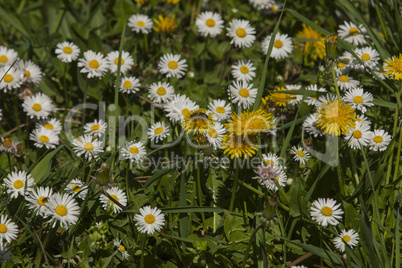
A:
<point x="331" y="42"/>
<point x="269" y="210"/>
<point x="103" y="174"/>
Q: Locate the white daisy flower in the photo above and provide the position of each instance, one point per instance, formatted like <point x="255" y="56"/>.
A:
<point x="380" y="72"/>
<point x="346" y="82"/>
<point x="52" y="124"/>
<point x="9" y="146"/>
<point x="67" y="51"/>
<point x="369" y="57"/>
<point x="96" y="128"/>
<point x="44" y="137"/>
<point x="220" y="109"/>
<point x="358" y="136"/>
<point x="272" y="159"/>
<point x="8" y="230"/>
<point x="18" y="183"/>
<point x="94" y="64"/>
<point x="113" y="60"/>
<point x="158" y="132"/>
<point x="342" y="67"/>
<point x="180" y="106"/>
<point x="121" y="248"/>
<point x="209" y="24"/>
<point x="242" y="93"/>
<point x="243" y="70"/>
<point x="379" y="140"/>
<point x="242" y="33"/>
<point x="215" y="135"/>
<point x="325" y="211"/>
<point x="350" y="237"/>
<point x="312" y="100"/>
<point x="7" y="56"/>
<point x="261" y="4"/>
<point x="62" y="208"/>
<point x="282" y="47"/>
<point x="38" y="105"/>
<point x="310" y="127"/>
<point x="38" y="198"/>
<point x="129" y="84"/>
<point x="363" y="120"/>
<point x="267" y="175"/>
<point x="12" y="78"/>
<point x="358" y="99"/>
<point x="352" y="34"/>
<point x="134" y="151"/>
<point x="31" y="72"/>
<point x="117" y="195"/>
<point x="172" y="66"/>
<point x="88" y="146"/>
<point x="298" y="97"/>
<point x="161" y="92"/>
<point x="149" y="220"/>
<point x="275" y="7"/>
<point x="301" y="155"/>
<point x="77" y="187"/>
<point x="140" y="23"/>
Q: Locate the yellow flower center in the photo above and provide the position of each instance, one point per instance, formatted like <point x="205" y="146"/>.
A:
<point x="161" y="91"/>
<point x="27" y="74"/>
<point x="127" y="84"/>
<point x="269" y="162"/>
<point x="76" y="188"/>
<point x="344" y="78"/>
<point x="220" y="110"/>
<point x="114" y="197"/>
<point x="365" y="56"/>
<point x="3" y="228"/>
<point x="244" y="69"/>
<point x="95" y="127"/>
<point x="44" y="139"/>
<point x="7" y="143"/>
<point x="358" y="99"/>
<point x="140" y="23"/>
<point x="173" y="64"/>
<point x="213" y="133"/>
<point x="61" y="210"/>
<point x="278" y="44"/>
<point x="210" y="23"/>
<point x="377" y="139"/>
<point x="18" y="184"/>
<point x="185" y="111"/>
<point x="122" y="248"/>
<point x="301" y="153"/>
<point x="116" y="61"/>
<point x="346" y="238"/>
<point x="241" y="32"/>
<point x="88" y="146"/>
<point x="67" y="50"/>
<point x="94" y="64"/>
<point x="3" y="58"/>
<point x="341" y="65"/>
<point x="159" y="130"/>
<point x="273" y="8"/>
<point x="149" y="218"/>
<point x="326" y="211"/>
<point x="42" y="200"/>
<point x="353" y="31"/>
<point x="37" y="107"/>
<point x="244" y="92"/>
<point x="357" y="134"/>
<point x="8" y="78"/>
<point x="134" y="150"/>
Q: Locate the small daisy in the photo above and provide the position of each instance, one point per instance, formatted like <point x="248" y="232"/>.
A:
<point x="121" y="248"/>
<point x="243" y="70"/>
<point x="298" y="97"/>
<point x="7" y="56"/>
<point x="312" y="100"/>
<point x="352" y="34"/>
<point x="358" y="136"/>
<point x="161" y="92"/>
<point x="113" y="60"/>
<point x="67" y="51"/>
<point x="140" y="23"/>
<point x="272" y="159"/>
<point x="242" y="93"/>
<point x="379" y="140"/>
<point x="350" y="237"/>
<point x="44" y="137"/>
<point x="149" y="220"/>
<point x="77" y="187"/>
<point x="369" y="57"/>
<point x="38" y="105"/>
<point x="342" y="67"/>
<point x="12" y="78"/>
<point x="63" y="208"/>
<point x="220" y="109"/>
<point x="117" y="195"/>
<point x="242" y="33"/>
<point x="88" y="146"/>
<point x="38" y="198"/>
<point x="172" y="66"/>
<point x="52" y="123"/>
<point x="179" y="107"/>
<point x="31" y="72"/>
<point x="158" y="132"/>
<point x="325" y="211"/>
<point x="94" y="64"/>
<point x="282" y="46"/>
<point x="129" y="85"/>
<point x="261" y="4"/>
<point x="96" y="128"/>
<point x="209" y="24"/>
<point x="310" y="126"/>
<point x="301" y="155"/>
<point x="378" y="73"/>
<point x="346" y="82"/>
<point x="267" y="175"/>
<point x="134" y="151"/>
<point x="8" y="230"/>
<point x="9" y="146"/>
<point x="215" y="135"/>
<point x="275" y="7"/>
<point x="358" y="99"/>
<point x="18" y="183"/>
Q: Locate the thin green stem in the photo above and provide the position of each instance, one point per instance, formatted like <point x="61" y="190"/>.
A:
<point x="384" y="30"/>
<point x="9" y="162"/>
<point x="144" y="242"/>
<point x="200" y="199"/>
<point x="335" y="81"/>
<point x="236" y="182"/>
<point x="251" y="188"/>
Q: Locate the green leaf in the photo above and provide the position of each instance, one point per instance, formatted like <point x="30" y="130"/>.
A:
<point x="42" y="169"/>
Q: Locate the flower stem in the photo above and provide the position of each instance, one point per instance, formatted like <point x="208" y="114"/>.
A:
<point x="236" y="182"/>
<point x="199" y="192"/>
<point x="335" y="82"/>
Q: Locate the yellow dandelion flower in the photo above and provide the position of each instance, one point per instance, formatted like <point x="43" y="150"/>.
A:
<point x="237" y="146"/>
<point x="280" y="99"/>
<point x="174" y="2"/>
<point x="198" y="121"/>
<point x="393" y="67"/>
<point x="200" y="139"/>
<point x="166" y="24"/>
<point x="250" y="122"/>
<point x="318" y="47"/>
<point x="334" y="117"/>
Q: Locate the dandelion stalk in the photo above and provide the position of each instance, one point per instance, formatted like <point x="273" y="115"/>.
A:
<point x="199" y="192"/>
<point x="236" y="182"/>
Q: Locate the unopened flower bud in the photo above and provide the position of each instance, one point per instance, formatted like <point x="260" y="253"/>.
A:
<point x="331" y="42"/>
